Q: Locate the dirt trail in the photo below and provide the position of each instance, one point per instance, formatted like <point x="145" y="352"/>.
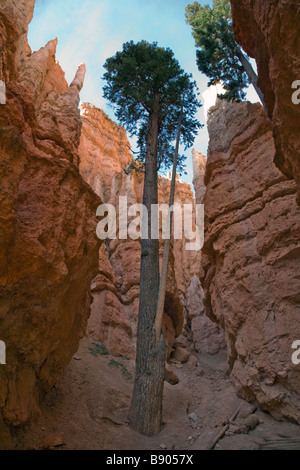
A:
<point x="87" y="409"/>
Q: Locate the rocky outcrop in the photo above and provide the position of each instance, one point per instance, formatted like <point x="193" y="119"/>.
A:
<point x="104" y="153"/>
<point x="49" y="248"/>
<point x="269" y="32"/>
<point x="251" y="257"/>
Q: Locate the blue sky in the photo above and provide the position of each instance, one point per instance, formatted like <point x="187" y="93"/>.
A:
<point x="90" y="31"/>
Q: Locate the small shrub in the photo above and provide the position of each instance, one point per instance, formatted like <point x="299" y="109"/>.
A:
<point x="98" y="349"/>
<point x="118" y="365"/>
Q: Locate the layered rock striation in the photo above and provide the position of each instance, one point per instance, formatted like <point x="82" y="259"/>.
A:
<point x="251" y="257"/>
<point x="269" y="32"/>
<point x="49" y="248"/>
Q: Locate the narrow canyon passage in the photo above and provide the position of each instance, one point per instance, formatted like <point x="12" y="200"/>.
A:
<point x="69" y="301"/>
<point x="88" y="406"/>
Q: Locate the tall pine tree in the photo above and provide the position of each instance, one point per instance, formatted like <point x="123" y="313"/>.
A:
<point x="146" y="84"/>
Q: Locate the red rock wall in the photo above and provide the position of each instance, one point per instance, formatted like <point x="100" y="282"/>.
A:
<point x="49" y="248"/>
<point x="269" y="32"/>
<point x="251" y="257"/>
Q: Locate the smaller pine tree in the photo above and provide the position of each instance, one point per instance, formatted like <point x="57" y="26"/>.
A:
<point x="219" y="57"/>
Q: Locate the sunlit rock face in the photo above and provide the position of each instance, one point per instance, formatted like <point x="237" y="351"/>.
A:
<point x="251" y="257"/>
<point x="49" y="248"/>
<point x="269" y="32"/>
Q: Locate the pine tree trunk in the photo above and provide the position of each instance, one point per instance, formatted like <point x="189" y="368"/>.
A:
<point x="251" y="75"/>
<point x="145" y="415"/>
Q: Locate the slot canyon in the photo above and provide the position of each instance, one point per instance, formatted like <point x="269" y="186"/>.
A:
<point x="69" y="301"/>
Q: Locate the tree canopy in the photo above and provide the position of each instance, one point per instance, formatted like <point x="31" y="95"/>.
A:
<point x="218" y="55"/>
<point x="138" y="75"/>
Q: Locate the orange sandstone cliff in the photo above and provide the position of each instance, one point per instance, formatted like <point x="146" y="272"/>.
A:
<point x="49" y="248"/>
<point x="251" y="257"/>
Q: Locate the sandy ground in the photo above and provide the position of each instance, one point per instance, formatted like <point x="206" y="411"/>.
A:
<point x="87" y="409"/>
